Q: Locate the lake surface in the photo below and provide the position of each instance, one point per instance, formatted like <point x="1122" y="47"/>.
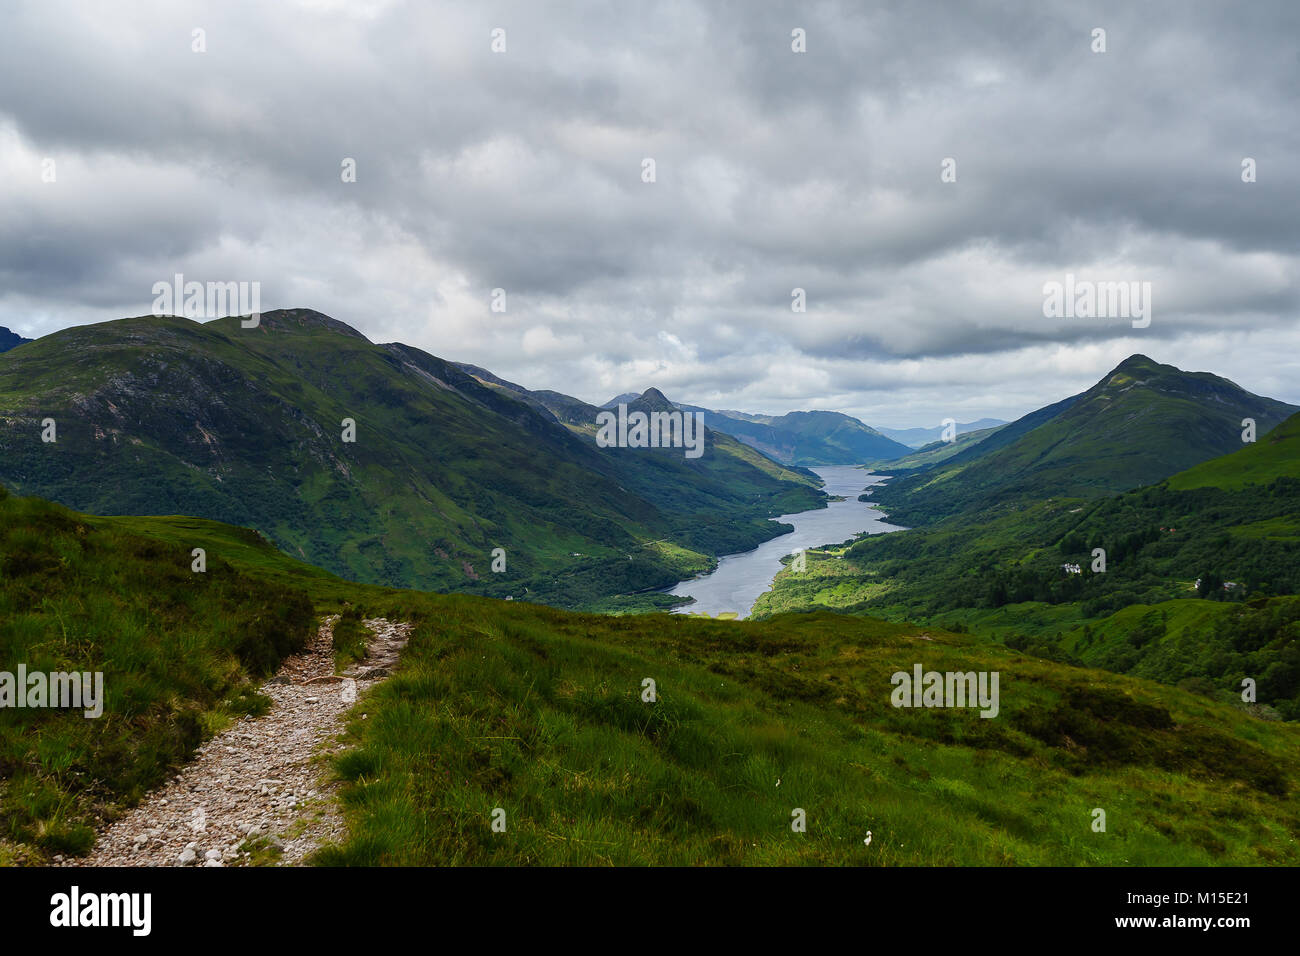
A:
<point x="740" y="578"/>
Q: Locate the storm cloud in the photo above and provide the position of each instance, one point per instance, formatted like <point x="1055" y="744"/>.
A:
<point x="775" y="170"/>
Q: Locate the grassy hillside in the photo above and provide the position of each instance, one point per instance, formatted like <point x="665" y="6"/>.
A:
<point x="1274" y="454"/>
<point x="539" y="712"/>
<point x="245" y="426"/>
<point x="1000" y="573"/>
<point x="179" y="652"/>
<point x="1140" y="424"/>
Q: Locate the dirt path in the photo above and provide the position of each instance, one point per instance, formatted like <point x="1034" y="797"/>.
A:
<point x="257" y="779"/>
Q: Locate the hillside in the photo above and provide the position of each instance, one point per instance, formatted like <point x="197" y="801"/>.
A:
<point x="1000" y="573"/>
<point x="1140" y="424"/>
<point x="540" y="712"/>
<point x="246" y="426"/>
<point x="179" y="651"/>
<point x="797" y="439"/>
<point x="1272" y="455"/>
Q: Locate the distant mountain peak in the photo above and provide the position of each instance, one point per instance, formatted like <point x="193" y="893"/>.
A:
<point x="1139" y="364"/>
<point x="621" y="400"/>
<point x="1137" y="359"/>
<point x="9" y="340"/>
<point x="652" y="400"/>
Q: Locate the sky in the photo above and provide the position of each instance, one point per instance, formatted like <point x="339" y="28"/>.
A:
<point x="127" y="155"/>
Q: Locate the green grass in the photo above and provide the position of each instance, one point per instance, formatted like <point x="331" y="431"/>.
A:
<point x="1272" y="455"/>
<point x="179" y="652"/>
<point x="997" y="573"/>
<point x="350" y="637"/>
<point x="539" y="712"/>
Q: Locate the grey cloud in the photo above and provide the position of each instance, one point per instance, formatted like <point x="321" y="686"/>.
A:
<point x="775" y="170"/>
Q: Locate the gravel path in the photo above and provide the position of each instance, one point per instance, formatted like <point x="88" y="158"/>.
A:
<point x="260" y="779"/>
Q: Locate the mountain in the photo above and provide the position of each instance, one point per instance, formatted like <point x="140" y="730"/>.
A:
<point x="918" y="437"/>
<point x="621" y="400"/>
<point x="806" y="438"/>
<point x="249" y="426"/>
<point x="514" y="705"/>
<point x="580" y="418"/>
<point x="935" y="452"/>
<point x="1141" y="423"/>
<point x="9" y="340"/>
<point x="1200" y="584"/>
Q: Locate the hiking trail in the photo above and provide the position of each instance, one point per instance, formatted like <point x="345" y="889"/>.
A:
<point x="261" y="779"/>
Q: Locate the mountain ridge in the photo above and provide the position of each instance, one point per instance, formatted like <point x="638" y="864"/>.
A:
<point x="248" y="426"/>
<point x="1140" y="423"/>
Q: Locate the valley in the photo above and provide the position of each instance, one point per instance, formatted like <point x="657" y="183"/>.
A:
<point x="1173" y="672"/>
<point x="735" y="584"/>
<point x="539" y="713"/>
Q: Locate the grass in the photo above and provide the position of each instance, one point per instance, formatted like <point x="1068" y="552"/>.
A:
<point x="350" y="637"/>
<point x="540" y="713"/>
<point x="179" y="652"/>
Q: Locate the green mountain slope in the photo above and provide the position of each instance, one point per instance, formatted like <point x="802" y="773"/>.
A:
<point x="1274" y="455"/>
<point x="246" y="426"/>
<point x="540" y="712"/>
<point x="1140" y="424"/>
<point x="1185" y="547"/>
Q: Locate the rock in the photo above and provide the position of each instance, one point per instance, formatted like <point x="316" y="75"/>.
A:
<point x="187" y="856"/>
<point x="212" y="855"/>
<point x="213" y="863"/>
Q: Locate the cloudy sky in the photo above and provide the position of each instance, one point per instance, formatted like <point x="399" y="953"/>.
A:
<point x="774" y="170"/>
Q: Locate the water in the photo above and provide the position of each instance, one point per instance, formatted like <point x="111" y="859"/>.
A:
<point x="740" y="578"/>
